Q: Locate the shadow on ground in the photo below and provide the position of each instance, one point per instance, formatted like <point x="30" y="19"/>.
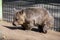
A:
<point x="20" y="28"/>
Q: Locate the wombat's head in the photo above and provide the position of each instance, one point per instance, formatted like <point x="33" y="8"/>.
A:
<point x="19" y="18"/>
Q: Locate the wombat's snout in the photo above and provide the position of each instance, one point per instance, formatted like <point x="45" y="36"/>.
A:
<point x="17" y="22"/>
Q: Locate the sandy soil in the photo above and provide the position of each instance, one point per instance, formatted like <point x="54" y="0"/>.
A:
<point x="9" y="32"/>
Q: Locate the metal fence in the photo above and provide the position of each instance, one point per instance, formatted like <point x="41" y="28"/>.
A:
<point x="8" y="10"/>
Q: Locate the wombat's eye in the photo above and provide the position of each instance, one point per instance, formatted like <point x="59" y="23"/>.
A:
<point x="21" y="12"/>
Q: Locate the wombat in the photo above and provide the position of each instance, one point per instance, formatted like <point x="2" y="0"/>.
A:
<point x="34" y="16"/>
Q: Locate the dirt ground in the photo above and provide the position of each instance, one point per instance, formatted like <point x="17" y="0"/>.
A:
<point x="9" y="32"/>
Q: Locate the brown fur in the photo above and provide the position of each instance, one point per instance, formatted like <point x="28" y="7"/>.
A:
<point x="30" y="17"/>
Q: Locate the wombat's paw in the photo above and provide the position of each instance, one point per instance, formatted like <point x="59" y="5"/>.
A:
<point x="44" y="31"/>
<point x="26" y="28"/>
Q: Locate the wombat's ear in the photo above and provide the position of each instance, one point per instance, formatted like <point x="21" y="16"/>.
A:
<point x="22" y="13"/>
<point x="15" y="9"/>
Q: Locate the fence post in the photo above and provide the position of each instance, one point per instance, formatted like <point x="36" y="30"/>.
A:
<point x="0" y="9"/>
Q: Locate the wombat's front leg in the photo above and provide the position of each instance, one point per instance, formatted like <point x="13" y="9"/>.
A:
<point x="27" y="26"/>
<point x="30" y="26"/>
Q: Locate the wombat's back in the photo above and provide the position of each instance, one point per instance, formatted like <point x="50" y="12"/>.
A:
<point x="39" y="15"/>
<point x="35" y="12"/>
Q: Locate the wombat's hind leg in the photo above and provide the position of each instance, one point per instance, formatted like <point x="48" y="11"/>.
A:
<point x="40" y="28"/>
<point x="45" y="28"/>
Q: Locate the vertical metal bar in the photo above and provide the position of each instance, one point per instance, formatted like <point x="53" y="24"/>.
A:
<point x="0" y="9"/>
<point x="57" y="20"/>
